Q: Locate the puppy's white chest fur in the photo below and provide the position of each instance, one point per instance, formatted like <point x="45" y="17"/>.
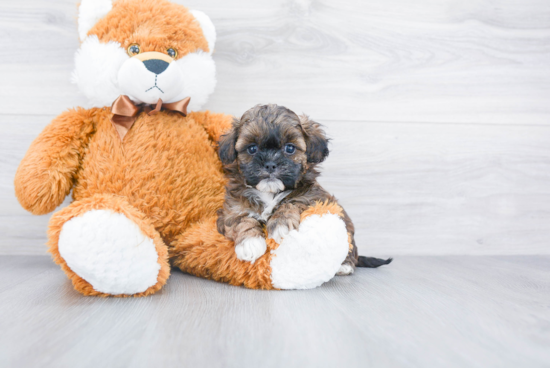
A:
<point x="269" y="201"/>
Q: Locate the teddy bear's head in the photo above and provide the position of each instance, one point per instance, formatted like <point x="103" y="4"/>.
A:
<point x="145" y="49"/>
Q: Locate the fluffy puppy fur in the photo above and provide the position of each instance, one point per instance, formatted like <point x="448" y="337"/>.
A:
<point x="270" y="158"/>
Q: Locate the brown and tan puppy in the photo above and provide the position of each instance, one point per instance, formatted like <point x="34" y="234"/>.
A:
<point x="270" y="157"/>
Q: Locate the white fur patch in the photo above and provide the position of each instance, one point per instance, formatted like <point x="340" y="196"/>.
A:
<point x="199" y="78"/>
<point x="89" y="12"/>
<point x="345" y="270"/>
<point x="269" y="201"/>
<point x="312" y="255"/>
<point x="96" y="70"/>
<point x="104" y="71"/>
<point x="251" y="249"/>
<point x="279" y="233"/>
<point x="208" y="29"/>
<point x="270" y="186"/>
<point x="110" y="252"/>
<point x="144" y="86"/>
<point x="193" y="76"/>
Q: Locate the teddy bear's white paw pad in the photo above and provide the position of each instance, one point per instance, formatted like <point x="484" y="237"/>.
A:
<point x="110" y="252"/>
<point x="311" y="255"/>
<point x="251" y="249"/>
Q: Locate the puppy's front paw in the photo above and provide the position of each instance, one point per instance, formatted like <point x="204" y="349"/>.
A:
<point x="250" y="249"/>
<point x="279" y="233"/>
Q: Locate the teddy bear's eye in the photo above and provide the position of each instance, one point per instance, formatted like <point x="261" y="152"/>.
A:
<point x="133" y="49"/>
<point x="172" y="52"/>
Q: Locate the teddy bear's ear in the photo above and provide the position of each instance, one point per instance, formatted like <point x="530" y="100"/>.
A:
<point x="89" y="12"/>
<point x="208" y="28"/>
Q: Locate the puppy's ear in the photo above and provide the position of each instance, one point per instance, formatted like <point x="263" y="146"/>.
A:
<point x="227" y="142"/>
<point x="316" y="140"/>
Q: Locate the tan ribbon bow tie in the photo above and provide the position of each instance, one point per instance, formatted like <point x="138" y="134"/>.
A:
<point x="125" y="111"/>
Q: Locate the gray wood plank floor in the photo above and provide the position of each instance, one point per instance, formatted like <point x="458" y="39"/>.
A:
<point x="452" y="311"/>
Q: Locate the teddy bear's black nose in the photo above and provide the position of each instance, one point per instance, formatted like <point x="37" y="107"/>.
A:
<point x="155" y="65"/>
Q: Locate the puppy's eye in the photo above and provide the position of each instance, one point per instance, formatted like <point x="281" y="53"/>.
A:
<point x="133" y="49"/>
<point x="173" y="53"/>
<point x="252" y="149"/>
<point x="290" y="149"/>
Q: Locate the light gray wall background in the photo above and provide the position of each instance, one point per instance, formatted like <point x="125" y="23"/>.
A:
<point x="439" y="110"/>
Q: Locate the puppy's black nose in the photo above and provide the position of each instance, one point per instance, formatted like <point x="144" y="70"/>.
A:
<point x="270" y="166"/>
<point x="155" y="65"/>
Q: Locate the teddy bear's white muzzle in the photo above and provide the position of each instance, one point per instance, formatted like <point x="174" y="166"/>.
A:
<point x="150" y="80"/>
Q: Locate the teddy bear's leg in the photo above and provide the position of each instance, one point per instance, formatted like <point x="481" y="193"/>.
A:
<point x="203" y="252"/>
<point x="108" y="247"/>
<point x="313" y="254"/>
<point x="306" y="258"/>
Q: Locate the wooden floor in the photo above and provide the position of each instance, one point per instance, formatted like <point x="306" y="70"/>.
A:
<point x="446" y="311"/>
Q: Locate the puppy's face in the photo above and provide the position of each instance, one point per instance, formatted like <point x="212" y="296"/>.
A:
<point x="273" y="147"/>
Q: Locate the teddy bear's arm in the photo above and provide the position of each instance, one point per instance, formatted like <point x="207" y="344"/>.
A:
<point x="46" y="173"/>
<point x="214" y="124"/>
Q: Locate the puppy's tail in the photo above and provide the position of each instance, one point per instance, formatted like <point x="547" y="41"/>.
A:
<point x="371" y="262"/>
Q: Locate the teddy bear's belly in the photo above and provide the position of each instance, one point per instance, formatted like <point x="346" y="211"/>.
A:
<point x="170" y="172"/>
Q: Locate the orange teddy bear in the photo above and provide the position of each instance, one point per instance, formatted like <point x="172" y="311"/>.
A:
<point x="145" y="176"/>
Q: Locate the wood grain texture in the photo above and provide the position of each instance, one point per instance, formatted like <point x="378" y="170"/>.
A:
<point x="441" y="189"/>
<point x="423" y="61"/>
<point x="418" y="312"/>
<point x="410" y="188"/>
<point x="439" y="110"/>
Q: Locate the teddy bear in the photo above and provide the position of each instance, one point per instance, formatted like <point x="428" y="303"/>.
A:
<point x="142" y="164"/>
